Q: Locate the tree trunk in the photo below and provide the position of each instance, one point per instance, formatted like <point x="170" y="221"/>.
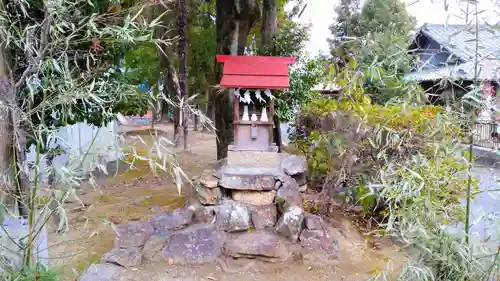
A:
<point x="209" y="110"/>
<point x="8" y="188"/>
<point x="269" y="22"/>
<point x="171" y="84"/>
<point x="249" y="13"/>
<point x="183" y="49"/>
<point x="165" y="107"/>
<point x="196" y="118"/>
<point x="171" y="87"/>
<point x="234" y="20"/>
<point x="267" y="31"/>
<point x="169" y="73"/>
<point x="210" y="105"/>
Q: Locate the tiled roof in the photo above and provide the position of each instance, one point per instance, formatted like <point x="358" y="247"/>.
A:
<point x="460" y="40"/>
<point x="487" y="70"/>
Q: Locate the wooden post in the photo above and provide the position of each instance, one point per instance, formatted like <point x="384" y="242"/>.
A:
<point x="236" y="116"/>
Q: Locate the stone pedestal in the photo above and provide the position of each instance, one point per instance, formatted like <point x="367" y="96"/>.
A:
<point x="251" y="207"/>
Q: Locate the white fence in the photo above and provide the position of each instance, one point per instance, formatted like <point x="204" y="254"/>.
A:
<point x="85" y="147"/>
<point x="99" y="146"/>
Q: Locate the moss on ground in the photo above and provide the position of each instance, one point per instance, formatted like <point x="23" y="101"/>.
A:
<point x="163" y="200"/>
<point x="99" y="245"/>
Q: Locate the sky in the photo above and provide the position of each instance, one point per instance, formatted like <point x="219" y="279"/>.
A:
<point x="320" y="14"/>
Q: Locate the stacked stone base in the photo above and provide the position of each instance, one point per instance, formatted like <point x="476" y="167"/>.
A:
<point x="241" y="211"/>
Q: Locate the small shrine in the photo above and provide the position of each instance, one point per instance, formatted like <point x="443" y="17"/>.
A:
<point x="247" y="206"/>
<point x="252" y="78"/>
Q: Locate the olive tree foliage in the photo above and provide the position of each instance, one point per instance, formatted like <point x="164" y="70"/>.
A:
<point x="60" y="64"/>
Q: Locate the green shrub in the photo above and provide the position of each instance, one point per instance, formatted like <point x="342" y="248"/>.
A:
<point x="38" y="273"/>
<point x="406" y="165"/>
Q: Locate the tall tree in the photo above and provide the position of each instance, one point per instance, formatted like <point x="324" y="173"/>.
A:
<point x="7" y="185"/>
<point x="268" y="30"/>
<point x="202" y="48"/>
<point x="374" y="36"/>
<point x="269" y="24"/>
<point x="386" y="26"/>
<point x="234" y="20"/>
<point x="183" y="72"/>
<point x="344" y="29"/>
<point x="382" y="16"/>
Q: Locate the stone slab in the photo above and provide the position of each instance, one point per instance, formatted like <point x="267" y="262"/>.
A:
<point x="264" y="216"/>
<point x="102" y="272"/>
<point x="291" y="222"/>
<point x="133" y="234"/>
<point x="252" y="197"/>
<point x="247" y="180"/>
<point x="153" y="249"/>
<point x="254" y="159"/>
<point x="231" y="170"/>
<point x="232" y="216"/>
<point x="257" y="244"/>
<point x="194" y="245"/>
<point x="271" y="148"/>
<point x="124" y="257"/>
<point x="174" y="220"/>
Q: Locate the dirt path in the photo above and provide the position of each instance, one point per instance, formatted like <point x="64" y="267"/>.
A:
<point x="136" y="194"/>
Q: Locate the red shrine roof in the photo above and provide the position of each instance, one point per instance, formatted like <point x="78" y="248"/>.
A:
<point x="255" y="72"/>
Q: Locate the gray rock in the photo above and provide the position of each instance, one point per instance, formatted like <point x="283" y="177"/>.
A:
<point x="194" y="245"/>
<point x="204" y="214"/>
<point x="294" y="165"/>
<point x="247" y="181"/>
<point x="277" y="185"/>
<point x="218" y="168"/>
<point x="174" y="220"/>
<point x="289" y="186"/>
<point x="301" y="179"/>
<point x="320" y="247"/>
<point x="313" y="222"/>
<point x="208" y="196"/>
<point x="257" y="244"/>
<point x="207" y="179"/>
<point x="288" y="192"/>
<point x="232" y="216"/>
<point x="253" y="197"/>
<point x="129" y="257"/>
<point x="303" y="188"/>
<point x="133" y="234"/>
<point x="101" y="272"/>
<point x="264" y="216"/>
<point x="153" y="249"/>
<point x="290" y="223"/>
